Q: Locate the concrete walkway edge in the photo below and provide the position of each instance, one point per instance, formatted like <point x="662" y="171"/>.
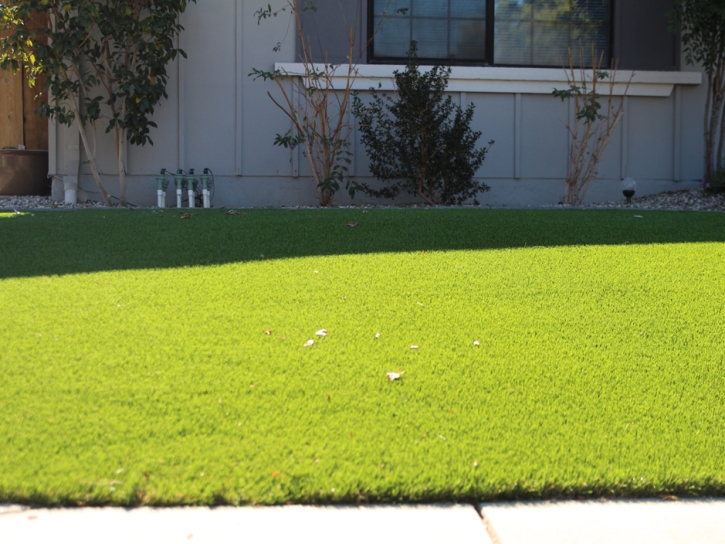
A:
<point x="560" y="522"/>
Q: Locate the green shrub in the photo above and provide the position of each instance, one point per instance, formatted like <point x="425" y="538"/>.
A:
<point x="420" y="142"/>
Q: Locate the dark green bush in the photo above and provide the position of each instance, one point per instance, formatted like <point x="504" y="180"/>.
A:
<point x="420" y="142"/>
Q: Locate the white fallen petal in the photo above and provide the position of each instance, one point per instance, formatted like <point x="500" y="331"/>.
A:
<point x="321" y="332"/>
<point x="377" y="335"/>
<point x="476" y="343"/>
<point x="309" y="343"/>
<point x="413" y="346"/>
<point x="392" y="376"/>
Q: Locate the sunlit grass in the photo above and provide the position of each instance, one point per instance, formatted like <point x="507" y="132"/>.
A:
<point x="600" y="369"/>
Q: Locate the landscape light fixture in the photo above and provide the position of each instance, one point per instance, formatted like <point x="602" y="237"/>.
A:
<point x="629" y="186"/>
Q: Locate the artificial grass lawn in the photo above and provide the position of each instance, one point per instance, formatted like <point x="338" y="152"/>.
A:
<point x="134" y="366"/>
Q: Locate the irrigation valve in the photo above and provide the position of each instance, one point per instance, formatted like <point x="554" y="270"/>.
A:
<point x="206" y="183"/>
<point x="162" y="183"/>
<point x="185" y="180"/>
<point x="190" y="186"/>
<point x="179" y="180"/>
<point x="629" y="186"/>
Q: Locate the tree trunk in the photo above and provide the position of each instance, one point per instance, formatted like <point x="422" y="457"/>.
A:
<point x="89" y="155"/>
<point x="712" y="117"/>
<point x="119" y="135"/>
<point x="719" y="118"/>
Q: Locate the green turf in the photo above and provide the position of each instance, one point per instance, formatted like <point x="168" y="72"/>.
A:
<point x="134" y="367"/>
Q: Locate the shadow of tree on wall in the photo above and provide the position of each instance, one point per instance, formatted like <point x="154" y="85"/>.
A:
<point x="62" y="242"/>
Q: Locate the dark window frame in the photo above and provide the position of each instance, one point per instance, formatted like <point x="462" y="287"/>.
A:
<point x="488" y="58"/>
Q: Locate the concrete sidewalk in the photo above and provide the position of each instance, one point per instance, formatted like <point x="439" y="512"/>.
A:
<point x="600" y="522"/>
<point x="647" y="521"/>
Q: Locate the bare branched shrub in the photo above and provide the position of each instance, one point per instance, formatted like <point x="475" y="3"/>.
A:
<point x="594" y="123"/>
<point x="317" y="108"/>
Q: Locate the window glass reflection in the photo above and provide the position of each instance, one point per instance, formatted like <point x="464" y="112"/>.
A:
<point x="540" y="32"/>
<point x="526" y="32"/>
<point x="443" y="29"/>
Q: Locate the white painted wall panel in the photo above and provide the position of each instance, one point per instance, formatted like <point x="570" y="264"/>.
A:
<point x="693" y="125"/>
<point x="494" y="117"/>
<point x="149" y="159"/>
<point x="209" y="79"/>
<point x="610" y="164"/>
<point x="650" y="139"/>
<point x="544" y="137"/>
<point x="261" y="119"/>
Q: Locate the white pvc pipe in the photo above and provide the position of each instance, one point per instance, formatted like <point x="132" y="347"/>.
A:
<point x="207" y="203"/>
<point x="70" y="186"/>
<point x="191" y="198"/>
<point x="161" y="198"/>
<point x="178" y="198"/>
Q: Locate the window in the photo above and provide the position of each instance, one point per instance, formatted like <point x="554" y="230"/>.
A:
<point x="519" y="32"/>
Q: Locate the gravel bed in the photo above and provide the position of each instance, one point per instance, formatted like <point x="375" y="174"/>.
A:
<point x="688" y="200"/>
<point x="42" y="202"/>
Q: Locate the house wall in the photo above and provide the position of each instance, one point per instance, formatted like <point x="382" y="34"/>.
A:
<point x="217" y="117"/>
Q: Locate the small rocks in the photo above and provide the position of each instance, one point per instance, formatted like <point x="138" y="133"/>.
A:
<point x="687" y="200"/>
<point x="41" y="202"/>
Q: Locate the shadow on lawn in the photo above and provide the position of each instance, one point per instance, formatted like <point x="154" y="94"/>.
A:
<point x="62" y="242"/>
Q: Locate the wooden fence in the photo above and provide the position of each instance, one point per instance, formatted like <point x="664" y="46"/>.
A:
<point x="19" y="124"/>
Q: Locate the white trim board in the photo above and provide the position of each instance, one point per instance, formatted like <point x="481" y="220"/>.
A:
<point x="474" y="79"/>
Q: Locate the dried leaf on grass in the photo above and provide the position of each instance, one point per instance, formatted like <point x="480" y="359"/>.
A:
<point x="392" y="376"/>
<point x="308" y="343"/>
<point x="186" y="216"/>
<point x="413" y="346"/>
<point x="268" y="332"/>
<point x="352" y="224"/>
<point x="321" y="332"/>
<point x="670" y="498"/>
<point x="232" y="212"/>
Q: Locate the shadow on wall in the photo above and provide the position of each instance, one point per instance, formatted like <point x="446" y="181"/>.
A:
<point x="61" y="242"/>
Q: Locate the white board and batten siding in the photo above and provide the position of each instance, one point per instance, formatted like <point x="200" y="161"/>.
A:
<point x="218" y="117"/>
